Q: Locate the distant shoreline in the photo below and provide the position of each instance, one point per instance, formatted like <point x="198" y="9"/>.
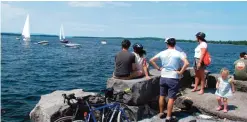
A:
<point x="241" y="42"/>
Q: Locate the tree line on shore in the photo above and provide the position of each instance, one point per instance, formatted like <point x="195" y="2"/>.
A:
<point x="236" y="42"/>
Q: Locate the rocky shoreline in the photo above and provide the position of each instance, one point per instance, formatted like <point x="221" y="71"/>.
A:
<point x="143" y="99"/>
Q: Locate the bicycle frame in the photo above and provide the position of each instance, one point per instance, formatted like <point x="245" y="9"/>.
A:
<point x="115" y="106"/>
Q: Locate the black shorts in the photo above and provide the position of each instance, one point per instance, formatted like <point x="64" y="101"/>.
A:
<point x="169" y="87"/>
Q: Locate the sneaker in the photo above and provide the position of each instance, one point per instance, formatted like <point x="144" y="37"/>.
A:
<point x="171" y="120"/>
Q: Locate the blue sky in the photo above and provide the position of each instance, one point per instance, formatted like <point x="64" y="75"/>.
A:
<point x="219" y="20"/>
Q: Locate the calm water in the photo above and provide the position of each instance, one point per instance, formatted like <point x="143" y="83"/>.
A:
<point x="31" y="70"/>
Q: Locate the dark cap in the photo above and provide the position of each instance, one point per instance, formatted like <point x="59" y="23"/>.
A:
<point x="137" y="46"/>
<point x="201" y="34"/>
<point x="170" y="41"/>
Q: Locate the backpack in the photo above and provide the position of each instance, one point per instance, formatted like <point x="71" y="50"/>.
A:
<point x="207" y="59"/>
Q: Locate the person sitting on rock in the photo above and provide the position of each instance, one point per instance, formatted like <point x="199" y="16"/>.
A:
<point x="240" y="65"/>
<point x="141" y="65"/>
<point x="225" y="88"/>
<point x="170" y="75"/>
<point x="124" y="62"/>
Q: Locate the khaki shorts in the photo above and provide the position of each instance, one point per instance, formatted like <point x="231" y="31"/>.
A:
<point x="203" y="66"/>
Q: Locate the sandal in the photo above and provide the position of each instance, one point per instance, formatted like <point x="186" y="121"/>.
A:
<point x="161" y="115"/>
<point x="194" y="90"/>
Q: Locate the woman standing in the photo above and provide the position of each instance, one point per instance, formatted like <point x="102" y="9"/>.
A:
<point x="199" y="66"/>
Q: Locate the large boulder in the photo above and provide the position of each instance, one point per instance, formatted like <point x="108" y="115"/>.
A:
<point x="142" y="90"/>
<point x="50" y="106"/>
<point x="240" y="85"/>
<point x="188" y="78"/>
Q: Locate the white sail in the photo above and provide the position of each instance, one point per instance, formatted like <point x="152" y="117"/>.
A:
<point x="61" y="36"/>
<point x="26" y="29"/>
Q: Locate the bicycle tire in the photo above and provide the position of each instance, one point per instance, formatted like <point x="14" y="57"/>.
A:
<point x="128" y="113"/>
<point x="68" y="119"/>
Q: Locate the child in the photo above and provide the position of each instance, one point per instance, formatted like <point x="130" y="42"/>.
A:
<point x="225" y="88"/>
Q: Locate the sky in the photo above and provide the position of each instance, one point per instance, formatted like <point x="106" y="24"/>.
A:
<point x="181" y="20"/>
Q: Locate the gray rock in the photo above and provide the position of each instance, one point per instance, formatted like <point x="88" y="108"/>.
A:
<point x="51" y="105"/>
<point x="188" y="78"/>
<point x="207" y="103"/>
<point x="240" y="85"/>
<point x="183" y="103"/>
<point x="142" y="90"/>
<point x="143" y="112"/>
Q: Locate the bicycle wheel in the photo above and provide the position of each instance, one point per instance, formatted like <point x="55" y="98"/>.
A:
<point x="127" y="116"/>
<point x="68" y="119"/>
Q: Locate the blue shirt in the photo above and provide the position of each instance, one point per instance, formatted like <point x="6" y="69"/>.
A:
<point x="170" y="60"/>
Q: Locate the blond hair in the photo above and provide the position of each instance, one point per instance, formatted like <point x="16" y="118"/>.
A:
<point x="224" y="70"/>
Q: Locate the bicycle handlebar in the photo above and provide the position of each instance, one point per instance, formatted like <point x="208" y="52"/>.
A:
<point x="108" y="94"/>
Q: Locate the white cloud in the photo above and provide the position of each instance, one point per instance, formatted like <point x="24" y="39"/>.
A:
<point x="10" y="12"/>
<point x="119" y="4"/>
<point x="97" y="4"/>
<point x="178" y="4"/>
<point x="85" y="4"/>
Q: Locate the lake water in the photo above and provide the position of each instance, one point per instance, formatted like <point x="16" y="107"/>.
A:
<point x="31" y="70"/>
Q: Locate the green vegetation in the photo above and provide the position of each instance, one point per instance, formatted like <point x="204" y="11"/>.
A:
<point x="241" y="42"/>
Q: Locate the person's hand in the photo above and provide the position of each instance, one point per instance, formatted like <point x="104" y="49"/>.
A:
<point x="179" y="73"/>
<point x="148" y="78"/>
<point x="160" y="69"/>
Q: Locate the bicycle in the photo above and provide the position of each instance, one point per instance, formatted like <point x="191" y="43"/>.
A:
<point x="111" y="111"/>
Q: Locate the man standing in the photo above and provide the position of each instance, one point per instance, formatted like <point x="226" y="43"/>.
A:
<point x="170" y="74"/>
<point x="240" y="65"/>
<point x="124" y="62"/>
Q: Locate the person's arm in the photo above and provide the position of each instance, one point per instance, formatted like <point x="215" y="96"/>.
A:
<point x="152" y="61"/>
<point x="217" y="84"/>
<point x="232" y="85"/>
<point x="186" y="64"/>
<point x="145" y="68"/>
<point x="203" y="52"/>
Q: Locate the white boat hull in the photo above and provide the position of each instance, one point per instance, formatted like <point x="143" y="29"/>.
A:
<point x="43" y="42"/>
<point x="72" y="45"/>
<point x="103" y="42"/>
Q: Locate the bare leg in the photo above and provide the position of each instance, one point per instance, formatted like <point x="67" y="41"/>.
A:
<point x="225" y="105"/>
<point x="161" y="105"/>
<point x="202" y="78"/>
<point x="197" y="78"/>
<point x="170" y="107"/>
<point x="219" y="99"/>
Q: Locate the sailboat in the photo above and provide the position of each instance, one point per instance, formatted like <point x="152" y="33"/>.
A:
<point x="61" y="36"/>
<point x="26" y="30"/>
